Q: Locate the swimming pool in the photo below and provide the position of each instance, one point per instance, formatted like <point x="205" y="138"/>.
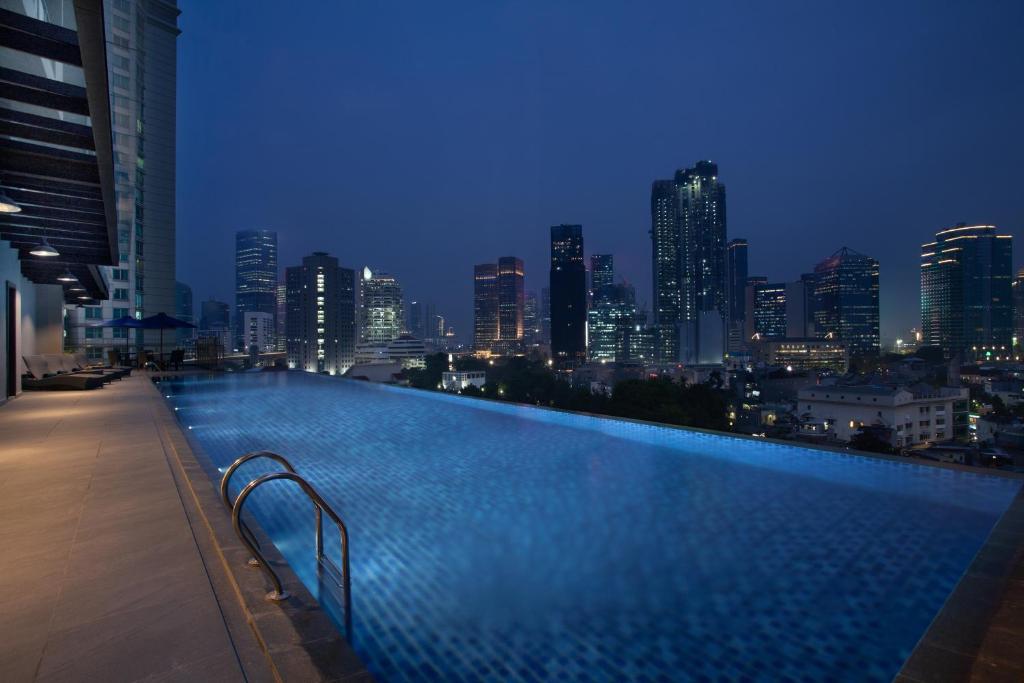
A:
<point x="492" y="541"/>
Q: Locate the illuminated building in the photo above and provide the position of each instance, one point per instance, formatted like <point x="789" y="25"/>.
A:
<point x="255" y="277"/>
<point x="320" y="318"/>
<point x="846" y="301"/>
<point x="966" y="290"/>
<point x="380" y="308"/>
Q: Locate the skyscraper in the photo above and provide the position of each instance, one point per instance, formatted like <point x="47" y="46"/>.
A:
<point x="255" y="276"/>
<point x="736" y="283"/>
<point x="214" y="321"/>
<point x="380" y="308"/>
<point x="414" y="319"/>
<point x="688" y="233"/>
<point x="846" y="300"/>
<point x="531" y="319"/>
<point x="510" y="304"/>
<point x="666" y="269"/>
<point x="1018" y="308"/>
<point x="612" y="324"/>
<point x="485" y="306"/>
<point x="966" y="290"/>
<point x="183" y="310"/>
<point x="141" y="70"/>
<point x="545" y="315"/>
<point x="499" y="306"/>
<point x="279" y="318"/>
<point x="320" y="319"/>
<point x="568" y="293"/>
<point x="701" y="216"/>
<point x="602" y="272"/>
<point x="770" y="310"/>
<point x="736" y="277"/>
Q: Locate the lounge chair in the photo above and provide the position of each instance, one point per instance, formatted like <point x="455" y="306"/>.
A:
<point x="83" y="365"/>
<point x="64" y="364"/>
<point x="39" y="377"/>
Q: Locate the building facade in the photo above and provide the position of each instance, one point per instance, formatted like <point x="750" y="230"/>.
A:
<point x="141" y="41"/>
<point x="736" y="284"/>
<point x="909" y="415"/>
<point x="846" y="301"/>
<point x="255" y="277"/>
<point x="511" y="303"/>
<point x="966" y="289"/>
<point x="568" y="287"/>
<point x="485" y="306"/>
<point x="380" y="307"/>
<point x="688" y="232"/>
<point x="612" y="326"/>
<point x="320" y="318"/>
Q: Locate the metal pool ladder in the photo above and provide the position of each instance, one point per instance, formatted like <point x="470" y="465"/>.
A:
<point x="340" y="576"/>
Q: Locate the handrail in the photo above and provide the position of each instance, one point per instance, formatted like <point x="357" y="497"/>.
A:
<point x="252" y="455"/>
<point x="279" y="593"/>
<point x="226" y="479"/>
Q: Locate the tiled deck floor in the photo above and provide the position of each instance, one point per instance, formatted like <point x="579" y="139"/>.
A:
<point x="102" y="578"/>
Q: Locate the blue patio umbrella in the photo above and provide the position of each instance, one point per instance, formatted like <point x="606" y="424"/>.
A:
<point x="162" y="321"/>
<point x="125" y="321"/>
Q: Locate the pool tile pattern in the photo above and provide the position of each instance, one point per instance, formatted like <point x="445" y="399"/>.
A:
<point x="499" y="542"/>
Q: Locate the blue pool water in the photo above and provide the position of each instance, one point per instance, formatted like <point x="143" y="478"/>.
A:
<point x="499" y="542"/>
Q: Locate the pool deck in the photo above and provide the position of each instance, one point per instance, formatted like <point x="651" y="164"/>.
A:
<point x="120" y="564"/>
<point x="118" y="559"/>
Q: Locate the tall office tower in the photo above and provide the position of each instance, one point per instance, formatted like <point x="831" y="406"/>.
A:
<point x="510" y="304"/>
<point x="183" y="310"/>
<point x="255" y="276"/>
<point x="215" y="321"/>
<point x="602" y="272"/>
<point x="414" y="319"/>
<point x="259" y="333"/>
<point x="797" y="308"/>
<point x="280" y="340"/>
<point x="810" y="288"/>
<point x="666" y="269"/>
<point x="320" y="318"/>
<point x="736" y="284"/>
<point x="966" y="290"/>
<point x="688" y="230"/>
<point x="545" y="315"/>
<point x="612" y="324"/>
<point x="430" y="324"/>
<point x="485" y="306"/>
<point x="380" y="308"/>
<point x="769" y="310"/>
<point x="846" y="300"/>
<point x="754" y="282"/>
<point x="531" y="319"/>
<point x="568" y="293"/>
<point x="142" y="49"/>
<point x="1018" y="309"/>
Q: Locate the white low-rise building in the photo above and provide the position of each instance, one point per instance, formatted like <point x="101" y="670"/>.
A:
<point x="914" y="415"/>
<point x="459" y="380"/>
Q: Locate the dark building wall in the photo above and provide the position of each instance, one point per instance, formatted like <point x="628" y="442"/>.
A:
<point x="337" y="287"/>
<point x="568" y="293"/>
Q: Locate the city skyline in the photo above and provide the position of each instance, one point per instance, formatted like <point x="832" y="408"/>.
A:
<point x="800" y="167"/>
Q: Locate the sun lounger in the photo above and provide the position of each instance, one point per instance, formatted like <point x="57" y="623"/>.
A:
<point x="64" y="364"/>
<point x="84" y="366"/>
<point x="39" y="377"/>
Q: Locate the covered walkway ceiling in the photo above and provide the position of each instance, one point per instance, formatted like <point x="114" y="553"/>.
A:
<point x="56" y="146"/>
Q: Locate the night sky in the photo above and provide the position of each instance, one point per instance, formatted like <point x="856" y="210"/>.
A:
<point x="421" y="138"/>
